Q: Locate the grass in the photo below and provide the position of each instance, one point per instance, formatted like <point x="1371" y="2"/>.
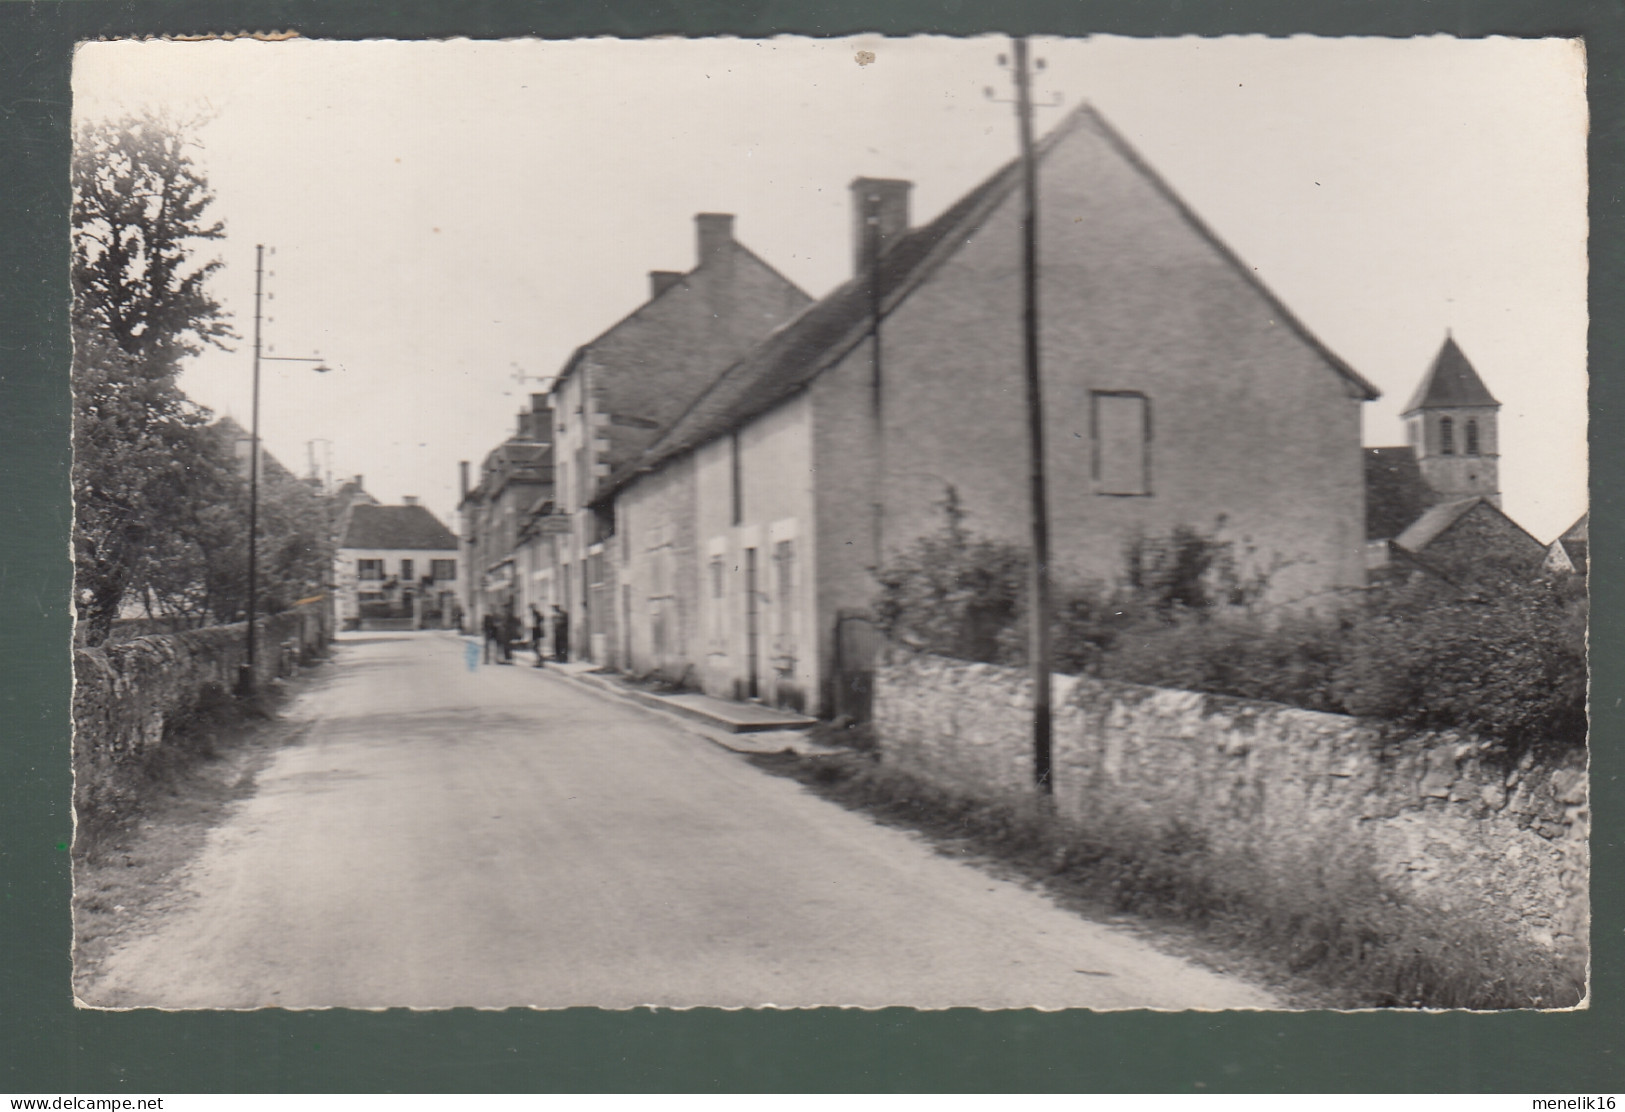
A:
<point x="1337" y="940"/>
<point x="129" y="866"/>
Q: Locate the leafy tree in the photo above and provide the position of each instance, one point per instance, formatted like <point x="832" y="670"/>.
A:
<point x="139" y="213"/>
<point x="144" y="465"/>
<point x="141" y="454"/>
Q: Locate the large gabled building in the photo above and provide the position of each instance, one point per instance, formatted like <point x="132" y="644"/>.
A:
<point x="1178" y="391"/>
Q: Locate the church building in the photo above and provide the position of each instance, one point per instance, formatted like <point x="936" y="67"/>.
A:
<point x="1434" y="504"/>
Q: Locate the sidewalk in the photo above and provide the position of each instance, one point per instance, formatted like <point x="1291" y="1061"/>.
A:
<point x="738" y="727"/>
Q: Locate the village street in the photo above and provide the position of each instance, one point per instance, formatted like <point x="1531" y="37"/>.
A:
<point x="501" y="836"/>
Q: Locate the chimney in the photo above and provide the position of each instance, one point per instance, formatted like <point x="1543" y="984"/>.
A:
<point x="662" y="280"/>
<point x="462" y="478"/>
<point x="409" y="500"/>
<point x="879" y="218"/>
<point x="537" y="425"/>
<point x="716" y="235"/>
<point x="359" y="484"/>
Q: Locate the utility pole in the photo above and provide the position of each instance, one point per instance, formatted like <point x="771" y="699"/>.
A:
<point x="247" y="676"/>
<point x="877" y="509"/>
<point x="1038" y="642"/>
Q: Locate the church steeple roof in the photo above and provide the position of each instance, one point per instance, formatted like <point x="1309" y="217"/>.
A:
<point x="1450" y="383"/>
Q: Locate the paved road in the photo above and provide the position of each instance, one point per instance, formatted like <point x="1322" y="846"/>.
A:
<point x="503" y="837"/>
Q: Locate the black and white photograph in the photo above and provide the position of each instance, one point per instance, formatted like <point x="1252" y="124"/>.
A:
<point x="987" y="522"/>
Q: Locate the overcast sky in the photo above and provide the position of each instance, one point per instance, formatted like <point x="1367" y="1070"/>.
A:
<point x="451" y="217"/>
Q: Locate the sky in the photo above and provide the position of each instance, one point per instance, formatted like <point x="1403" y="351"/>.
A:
<point x="451" y="219"/>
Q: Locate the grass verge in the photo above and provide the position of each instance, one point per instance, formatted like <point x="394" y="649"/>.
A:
<point x="1341" y="941"/>
<point x="129" y="868"/>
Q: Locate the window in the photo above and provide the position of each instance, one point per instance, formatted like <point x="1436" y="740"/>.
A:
<point x="1472" y="437"/>
<point x="1447" y="437"/>
<point x="1121" y="433"/>
<point x="443" y="569"/>
<point x="406" y="571"/>
<point x="369" y="569"/>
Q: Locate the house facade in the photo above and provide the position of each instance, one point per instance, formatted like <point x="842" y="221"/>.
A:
<point x="515" y="483"/>
<point x="617" y="394"/>
<point x="1177" y="392"/>
<point x="396" y="567"/>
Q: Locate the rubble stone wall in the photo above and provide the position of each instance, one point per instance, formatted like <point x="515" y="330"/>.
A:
<point x="128" y="695"/>
<point x="1281" y="801"/>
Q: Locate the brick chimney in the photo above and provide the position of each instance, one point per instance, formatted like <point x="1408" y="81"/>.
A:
<point x="662" y="280"/>
<point x="462" y="478"/>
<point x="409" y="500"/>
<point x="716" y="235"/>
<point x="879" y="217"/>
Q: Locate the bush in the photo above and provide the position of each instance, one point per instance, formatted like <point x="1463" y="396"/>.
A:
<point x="1505" y="659"/>
<point x="952" y="594"/>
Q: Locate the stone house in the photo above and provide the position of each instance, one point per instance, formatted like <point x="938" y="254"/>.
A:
<point x="1177" y="391"/>
<point x="1462" y="539"/>
<point x="395" y="567"/>
<point x="515" y="482"/>
<point x="618" y="391"/>
<point x="1570" y="551"/>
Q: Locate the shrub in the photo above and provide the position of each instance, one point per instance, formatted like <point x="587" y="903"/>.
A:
<point x="953" y="594"/>
<point x="1504" y="659"/>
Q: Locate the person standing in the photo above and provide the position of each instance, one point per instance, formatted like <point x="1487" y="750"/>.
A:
<point x="493" y="638"/>
<point x="512" y="630"/>
<point x="538" y="635"/>
<point x="561" y="635"/>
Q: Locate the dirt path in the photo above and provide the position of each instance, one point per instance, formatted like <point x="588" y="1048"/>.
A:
<point x="503" y="838"/>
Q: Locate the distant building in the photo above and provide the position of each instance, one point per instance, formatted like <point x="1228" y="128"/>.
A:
<point x="1570" y="552"/>
<point x="1433" y="504"/>
<point x="621" y="390"/>
<point x="1461" y="540"/>
<point x="395" y="567"/>
<point x="514" y="484"/>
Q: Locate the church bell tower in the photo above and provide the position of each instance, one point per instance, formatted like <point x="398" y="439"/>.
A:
<point x="1450" y="424"/>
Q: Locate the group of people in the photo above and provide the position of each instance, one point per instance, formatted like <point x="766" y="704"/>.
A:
<point x="504" y="632"/>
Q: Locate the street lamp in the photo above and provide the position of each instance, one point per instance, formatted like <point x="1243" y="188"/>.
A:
<point x="247" y="678"/>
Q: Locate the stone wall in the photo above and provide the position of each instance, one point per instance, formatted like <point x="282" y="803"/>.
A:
<point x="127" y="696"/>
<point x="1287" y="806"/>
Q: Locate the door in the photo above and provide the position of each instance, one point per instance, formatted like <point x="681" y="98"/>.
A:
<point x="752" y="686"/>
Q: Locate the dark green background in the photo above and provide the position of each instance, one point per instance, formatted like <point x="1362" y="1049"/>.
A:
<point x="48" y="1046"/>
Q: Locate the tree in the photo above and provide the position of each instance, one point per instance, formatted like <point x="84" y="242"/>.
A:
<point x="139" y="212"/>
<point x="143" y="464"/>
